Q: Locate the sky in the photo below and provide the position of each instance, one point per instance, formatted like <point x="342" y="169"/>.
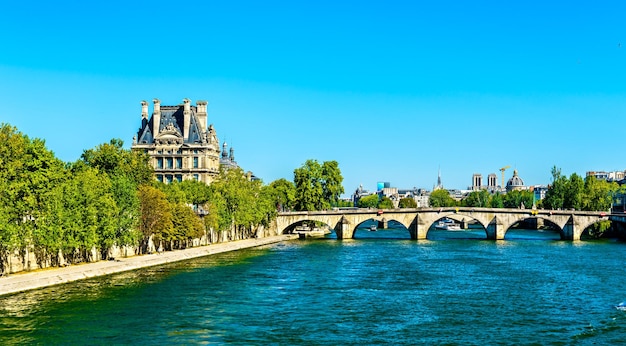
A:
<point x="394" y="91"/>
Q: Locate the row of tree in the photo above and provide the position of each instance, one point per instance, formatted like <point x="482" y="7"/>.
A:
<point x="65" y="211"/>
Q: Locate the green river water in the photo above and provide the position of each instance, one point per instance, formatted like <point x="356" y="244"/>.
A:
<point x="455" y="288"/>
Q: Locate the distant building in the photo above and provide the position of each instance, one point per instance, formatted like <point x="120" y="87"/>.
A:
<point x="178" y="141"/>
<point x="359" y="193"/>
<point x="539" y="191"/>
<point x="608" y="176"/>
<point x="477" y="183"/>
<point x="515" y="183"/>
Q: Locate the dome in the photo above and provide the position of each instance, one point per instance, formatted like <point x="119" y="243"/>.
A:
<point x="515" y="183"/>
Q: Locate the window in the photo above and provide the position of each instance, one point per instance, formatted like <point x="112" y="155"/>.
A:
<point x="159" y="177"/>
<point x="196" y="177"/>
<point x="179" y="162"/>
<point x="170" y="163"/>
<point x="179" y="177"/>
<point x="195" y="162"/>
<point x="168" y="178"/>
<point x="160" y="163"/>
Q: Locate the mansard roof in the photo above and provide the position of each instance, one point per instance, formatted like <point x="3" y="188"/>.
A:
<point x="171" y="126"/>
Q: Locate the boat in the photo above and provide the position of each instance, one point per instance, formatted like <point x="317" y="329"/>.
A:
<point x="448" y="225"/>
<point x="621" y="306"/>
<point x="373" y="228"/>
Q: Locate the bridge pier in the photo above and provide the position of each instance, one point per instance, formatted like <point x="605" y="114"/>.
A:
<point x="343" y="229"/>
<point x="382" y="224"/>
<point x="495" y="230"/>
<point x="572" y="230"/>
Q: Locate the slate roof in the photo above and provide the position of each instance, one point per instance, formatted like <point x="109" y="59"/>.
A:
<point x="171" y="115"/>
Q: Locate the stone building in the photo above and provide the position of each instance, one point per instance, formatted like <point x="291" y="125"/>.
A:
<point x="515" y="183"/>
<point x="180" y="144"/>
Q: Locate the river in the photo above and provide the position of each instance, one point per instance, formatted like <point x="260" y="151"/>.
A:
<point x="455" y="288"/>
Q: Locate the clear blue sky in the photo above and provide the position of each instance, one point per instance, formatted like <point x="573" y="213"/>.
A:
<point x="392" y="90"/>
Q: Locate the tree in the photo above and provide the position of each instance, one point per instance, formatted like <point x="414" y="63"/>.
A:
<point x="332" y="182"/>
<point x="156" y="216"/>
<point x="370" y="201"/>
<point x="28" y="172"/>
<point x="385" y="203"/>
<point x="283" y="194"/>
<point x="317" y="186"/>
<point x="113" y="159"/>
<point x="479" y="199"/>
<point x="573" y="194"/>
<point x="598" y="194"/>
<point x="407" y="202"/>
<point x="497" y="201"/>
<point x="242" y="203"/>
<point x="441" y="198"/>
<point x="517" y="198"/>
<point x="555" y="196"/>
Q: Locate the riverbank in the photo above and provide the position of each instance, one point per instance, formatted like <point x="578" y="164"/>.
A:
<point x="26" y="281"/>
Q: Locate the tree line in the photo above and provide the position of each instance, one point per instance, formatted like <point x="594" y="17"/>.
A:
<point x="76" y="212"/>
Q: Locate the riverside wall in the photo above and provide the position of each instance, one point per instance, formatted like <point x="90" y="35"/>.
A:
<point x="54" y="276"/>
<point x="27" y="260"/>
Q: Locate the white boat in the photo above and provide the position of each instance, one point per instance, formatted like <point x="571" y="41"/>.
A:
<point x="621" y="306"/>
<point x="373" y="228"/>
<point x="448" y="225"/>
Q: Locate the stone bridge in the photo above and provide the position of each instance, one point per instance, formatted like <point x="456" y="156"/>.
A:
<point x="496" y="221"/>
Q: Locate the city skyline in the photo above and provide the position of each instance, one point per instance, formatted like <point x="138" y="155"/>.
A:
<point x="392" y="92"/>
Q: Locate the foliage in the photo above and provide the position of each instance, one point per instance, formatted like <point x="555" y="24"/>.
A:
<point x="283" y="194"/>
<point x="28" y="172"/>
<point x="517" y="199"/>
<point x="317" y="186"/>
<point x="407" y="202"/>
<point x="441" y="198"/>
<point x="241" y="203"/>
<point x="156" y="216"/>
<point x="385" y="203"/>
<point x="479" y="199"/>
<point x="574" y="193"/>
<point x="497" y="201"/>
<point x="113" y="159"/>
<point x="370" y="201"/>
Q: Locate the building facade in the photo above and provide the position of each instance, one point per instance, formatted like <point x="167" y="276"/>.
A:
<point x="180" y="144"/>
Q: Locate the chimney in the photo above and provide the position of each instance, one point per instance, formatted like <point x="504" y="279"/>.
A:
<point x="202" y="115"/>
<point x="186" y="118"/>
<point x="144" y="110"/>
<point x="144" y="114"/>
<point x="156" y="117"/>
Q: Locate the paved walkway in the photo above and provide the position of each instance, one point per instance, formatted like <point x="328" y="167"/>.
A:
<point x="20" y="282"/>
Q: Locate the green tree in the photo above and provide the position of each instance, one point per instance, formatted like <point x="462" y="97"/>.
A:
<point x="385" y="203"/>
<point x="28" y="172"/>
<point x="370" y="201"/>
<point x="113" y="159"/>
<point x="479" y="199"/>
<point x="573" y="193"/>
<point x="497" y="201"/>
<point x="441" y="198"/>
<point x="407" y="202"/>
<point x="317" y="186"/>
<point x="156" y="215"/>
<point x="283" y="193"/>
<point x="598" y="194"/>
<point x="332" y="182"/>
<point x="517" y="198"/>
<point x="555" y="196"/>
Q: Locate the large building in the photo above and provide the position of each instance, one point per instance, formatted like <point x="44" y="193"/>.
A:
<point x="180" y="144"/>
